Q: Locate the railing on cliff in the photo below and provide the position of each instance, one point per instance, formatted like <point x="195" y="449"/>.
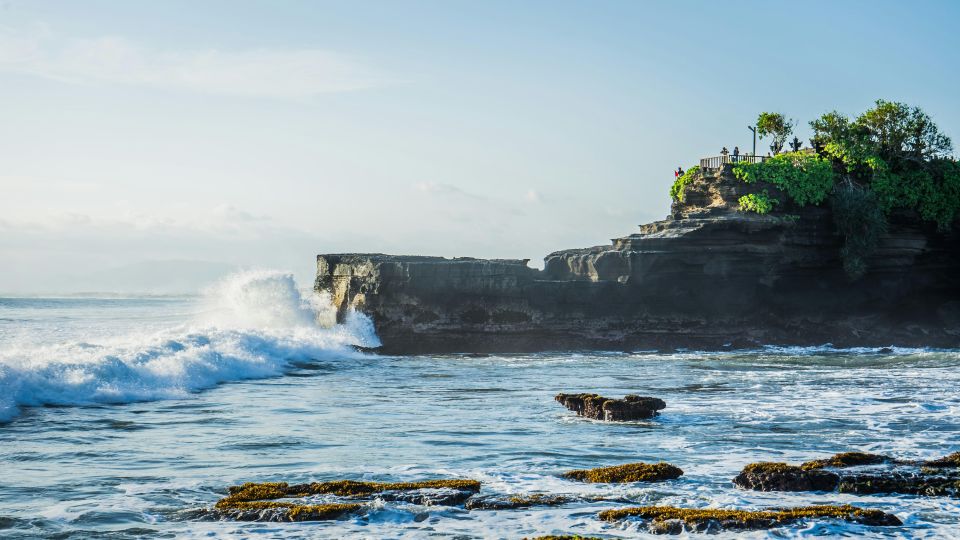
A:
<point x="717" y="161"/>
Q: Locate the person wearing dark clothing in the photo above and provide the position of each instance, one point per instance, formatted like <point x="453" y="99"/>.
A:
<point x="736" y="153"/>
<point x="679" y="172"/>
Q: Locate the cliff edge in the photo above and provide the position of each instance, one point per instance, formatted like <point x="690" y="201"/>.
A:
<point x="709" y="276"/>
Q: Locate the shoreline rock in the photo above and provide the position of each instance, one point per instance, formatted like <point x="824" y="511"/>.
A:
<point x="630" y="472"/>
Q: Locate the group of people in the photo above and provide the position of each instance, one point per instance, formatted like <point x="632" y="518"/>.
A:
<point x="736" y="154"/>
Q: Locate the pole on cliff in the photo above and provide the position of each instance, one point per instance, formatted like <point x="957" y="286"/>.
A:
<point x="754" y="130"/>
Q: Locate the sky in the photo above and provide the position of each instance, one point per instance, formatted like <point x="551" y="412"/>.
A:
<point x="150" y="146"/>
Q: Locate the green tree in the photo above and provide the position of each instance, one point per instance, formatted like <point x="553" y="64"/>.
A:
<point x="775" y="126"/>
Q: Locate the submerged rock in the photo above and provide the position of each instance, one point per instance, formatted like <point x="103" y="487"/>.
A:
<point x="631" y="407"/>
<point x="953" y="460"/>
<point x="509" y="502"/>
<point x="565" y="537"/>
<point x="429" y="496"/>
<point x="672" y="520"/>
<point x="630" y="472"/>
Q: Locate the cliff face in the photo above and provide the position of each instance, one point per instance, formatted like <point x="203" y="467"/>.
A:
<point x="706" y="277"/>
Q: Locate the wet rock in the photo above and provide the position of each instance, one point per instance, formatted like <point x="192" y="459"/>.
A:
<point x="847" y="459"/>
<point x="951" y="461"/>
<point x="672" y="520"/>
<point x="630" y="472"/>
<point x="565" y="537"/>
<point x="255" y="501"/>
<point x="767" y="476"/>
<point x="509" y="502"/>
<point x="429" y="497"/>
<point x="280" y="511"/>
<point x="914" y="478"/>
<point x="631" y="407"/>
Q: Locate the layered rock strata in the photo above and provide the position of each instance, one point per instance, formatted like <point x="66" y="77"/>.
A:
<point x="708" y="277"/>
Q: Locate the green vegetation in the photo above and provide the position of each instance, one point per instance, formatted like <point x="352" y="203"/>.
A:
<point x="681" y="183"/>
<point x="860" y="222"/>
<point x="760" y="203"/>
<point x="631" y="472"/>
<point x="777" y="127"/>
<point x="746" y="519"/>
<point x="806" y="178"/>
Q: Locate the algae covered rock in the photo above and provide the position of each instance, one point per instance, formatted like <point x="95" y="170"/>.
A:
<point x="509" y="502"/>
<point x="767" y="476"/>
<point x="672" y="520"/>
<point x="630" y="472"/>
<point x="256" y="501"/>
<point x="847" y="459"/>
<point x="597" y="407"/>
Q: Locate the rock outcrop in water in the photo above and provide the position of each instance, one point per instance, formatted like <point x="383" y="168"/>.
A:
<point x="708" y="276"/>
<point x="597" y="407"/>
<point x="845" y="473"/>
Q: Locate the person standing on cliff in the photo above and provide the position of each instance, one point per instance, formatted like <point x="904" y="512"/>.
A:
<point x="736" y="153"/>
<point x="679" y="172"/>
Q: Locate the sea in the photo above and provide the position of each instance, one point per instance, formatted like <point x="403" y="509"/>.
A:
<point x="125" y="416"/>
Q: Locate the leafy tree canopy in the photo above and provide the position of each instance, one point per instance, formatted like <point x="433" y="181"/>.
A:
<point x="777" y="127"/>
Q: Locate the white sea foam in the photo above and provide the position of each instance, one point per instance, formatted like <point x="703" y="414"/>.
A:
<point x="254" y="324"/>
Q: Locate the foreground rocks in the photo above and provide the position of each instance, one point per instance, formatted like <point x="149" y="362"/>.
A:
<point x="630" y="472"/>
<point x="672" y="520"/>
<point x="939" y="477"/>
<point x="594" y="406"/>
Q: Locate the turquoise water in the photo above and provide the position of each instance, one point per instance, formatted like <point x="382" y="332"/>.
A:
<point x="123" y="415"/>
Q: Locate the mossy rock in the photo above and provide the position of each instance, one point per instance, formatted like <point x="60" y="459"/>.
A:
<point x="597" y="407"/>
<point x="630" y="472"/>
<point x="668" y="519"/>
<point x="283" y="511"/>
<point x="846" y="459"/>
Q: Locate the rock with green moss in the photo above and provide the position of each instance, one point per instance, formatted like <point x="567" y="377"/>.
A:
<point x="597" y="407"/>
<point x="672" y="520"/>
<point x="847" y="459"/>
<point x="257" y="501"/>
<point x="630" y="472"/>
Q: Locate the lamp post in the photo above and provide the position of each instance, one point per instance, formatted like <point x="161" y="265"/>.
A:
<point x="754" y="130"/>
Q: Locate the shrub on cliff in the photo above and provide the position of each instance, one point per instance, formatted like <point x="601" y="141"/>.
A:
<point x="760" y="203"/>
<point x="681" y="183"/>
<point x="860" y="222"/>
<point x="899" y="154"/>
<point x="806" y="178"/>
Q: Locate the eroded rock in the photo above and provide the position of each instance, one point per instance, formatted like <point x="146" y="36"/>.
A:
<point x="631" y="407"/>
<point x="509" y="502"/>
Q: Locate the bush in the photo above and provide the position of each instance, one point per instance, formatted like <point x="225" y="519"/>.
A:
<point x="805" y="178"/>
<point x="860" y="221"/>
<point x="760" y="203"/>
<point x="681" y="183"/>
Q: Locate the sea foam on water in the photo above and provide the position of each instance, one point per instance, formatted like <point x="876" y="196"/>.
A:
<point x="253" y="324"/>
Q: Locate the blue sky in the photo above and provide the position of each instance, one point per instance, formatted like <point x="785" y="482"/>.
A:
<point x="217" y="134"/>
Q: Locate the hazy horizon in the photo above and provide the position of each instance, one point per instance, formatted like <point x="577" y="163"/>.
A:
<point x="151" y="147"/>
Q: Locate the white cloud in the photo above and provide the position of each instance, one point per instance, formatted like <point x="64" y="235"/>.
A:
<point x="272" y="73"/>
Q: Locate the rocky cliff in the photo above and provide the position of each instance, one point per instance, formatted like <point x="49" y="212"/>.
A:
<point x="708" y="276"/>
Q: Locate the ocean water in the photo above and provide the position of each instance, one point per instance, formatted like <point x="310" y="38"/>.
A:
<point x="119" y="417"/>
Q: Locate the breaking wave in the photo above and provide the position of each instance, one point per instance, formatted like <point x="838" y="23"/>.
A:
<point x="252" y="325"/>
